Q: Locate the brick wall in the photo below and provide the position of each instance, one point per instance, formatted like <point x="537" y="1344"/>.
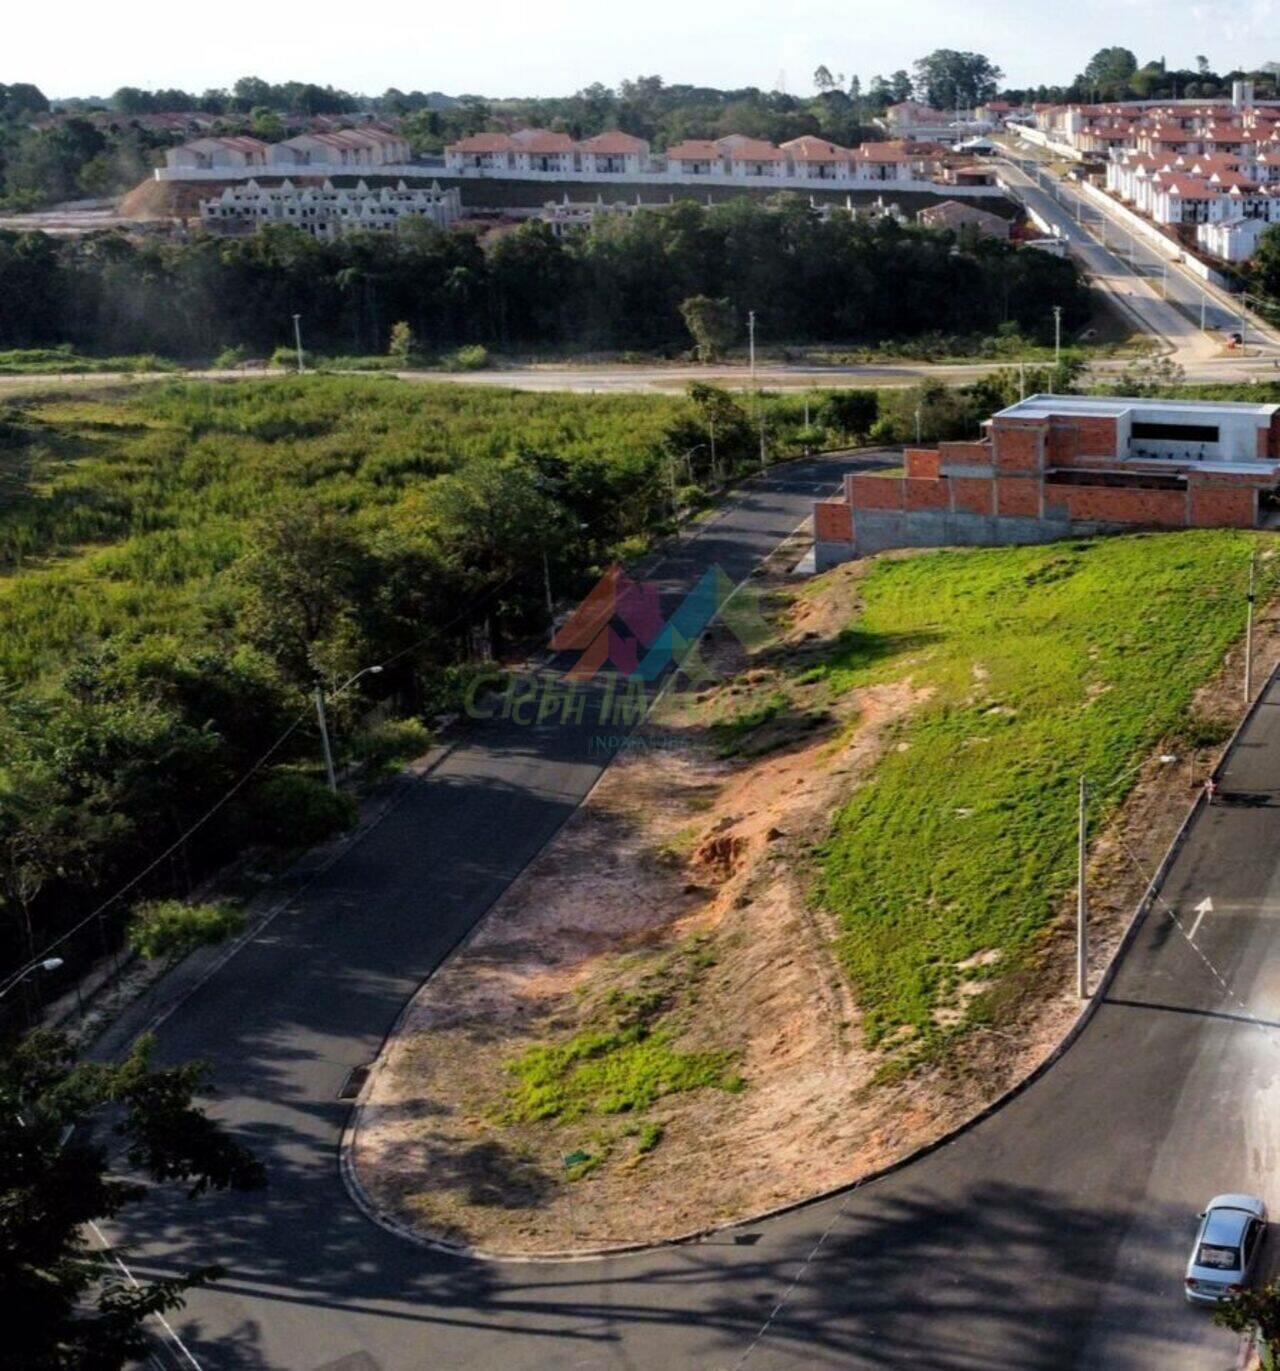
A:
<point x="1095" y="436"/>
<point x="1118" y="505"/>
<point x="964" y="455"/>
<point x="1018" y="495"/>
<point x="1018" y="444"/>
<point x="832" y="521"/>
<point x="923" y="462"/>
<point x="926" y="494"/>
<point x="1072" y="440"/>
<point x="876" y="492"/>
<point x="972" y="494"/>
<point x="1223" y="506"/>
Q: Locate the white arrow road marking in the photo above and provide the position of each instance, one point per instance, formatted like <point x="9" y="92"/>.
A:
<point x="1204" y="907"/>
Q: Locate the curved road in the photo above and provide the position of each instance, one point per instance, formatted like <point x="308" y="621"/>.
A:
<point x="1051" y="1235"/>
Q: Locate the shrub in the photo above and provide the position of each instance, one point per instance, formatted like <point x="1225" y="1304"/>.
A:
<point x="230" y="358"/>
<point x="402" y="345"/>
<point x="851" y="412"/>
<point x="169" y="929"/>
<point x="392" y="743"/>
<point x="287" y="358"/>
<point x="291" y="810"/>
<point x="471" y="358"/>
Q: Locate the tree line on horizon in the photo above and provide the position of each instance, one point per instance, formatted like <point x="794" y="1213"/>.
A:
<point x="620" y="285"/>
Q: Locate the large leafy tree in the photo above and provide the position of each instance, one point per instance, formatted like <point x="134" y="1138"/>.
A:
<point x="304" y="579"/>
<point x="948" y="80"/>
<point x="1108" y="73"/>
<point x="65" y="1303"/>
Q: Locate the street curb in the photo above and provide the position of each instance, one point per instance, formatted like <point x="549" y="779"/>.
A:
<point x="308" y="867"/>
<point x="372" y="1211"/>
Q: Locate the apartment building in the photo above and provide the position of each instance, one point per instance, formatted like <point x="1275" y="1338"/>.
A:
<point x="736" y="159"/>
<point x="1190" y="166"/>
<point x="325" y="211"/>
<point x="1059" y="466"/>
<point x="206" y="154"/>
<point x="368" y="146"/>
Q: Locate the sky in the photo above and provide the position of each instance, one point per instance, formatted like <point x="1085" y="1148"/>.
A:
<point x="554" y="47"/>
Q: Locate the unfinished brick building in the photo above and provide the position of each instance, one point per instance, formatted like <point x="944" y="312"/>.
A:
<point x="1056" y="466"/>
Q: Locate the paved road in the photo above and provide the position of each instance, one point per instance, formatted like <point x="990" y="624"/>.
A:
<point x="1168" y="300"/>
<point x="312" y="996"/>
<point x="1052" y="1235"/>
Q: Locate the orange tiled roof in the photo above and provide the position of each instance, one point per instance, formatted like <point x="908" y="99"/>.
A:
<point x="613" y="143"/>
<point x="807" y="148"/>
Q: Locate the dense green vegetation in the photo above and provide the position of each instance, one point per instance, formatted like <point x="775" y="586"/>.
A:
<point x="1043" y="664"/>
<point x="180" y="564"/>
<point x="619" y="286"/>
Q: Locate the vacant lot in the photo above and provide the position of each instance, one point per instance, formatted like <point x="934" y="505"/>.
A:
<point x="823" y="917"/>
<point x="1043" y="664"/>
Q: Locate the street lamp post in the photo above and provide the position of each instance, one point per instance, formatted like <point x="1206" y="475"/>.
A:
<point x="1248" y="636"/>
<point x="297" y="340"/>
<point x="1082" y="877"/>
<point x="1082" y="893"/>
<point x="48" y="964"/>
<point x="1057" y="335"/>
<point x="323" y="719"/>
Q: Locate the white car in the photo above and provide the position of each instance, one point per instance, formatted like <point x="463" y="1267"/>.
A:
<point x="1228" y="1241"/>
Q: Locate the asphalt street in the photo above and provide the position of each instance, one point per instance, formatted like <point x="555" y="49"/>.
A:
<point x="1167" y="299"/>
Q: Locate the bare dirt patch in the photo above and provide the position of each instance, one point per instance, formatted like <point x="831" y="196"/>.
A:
<point x="669" y="922"/>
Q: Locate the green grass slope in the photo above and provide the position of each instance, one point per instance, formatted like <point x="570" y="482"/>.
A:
<point x="1044" y="664"/>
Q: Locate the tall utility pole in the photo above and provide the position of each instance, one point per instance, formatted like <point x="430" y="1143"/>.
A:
<point x="297" y="340"/>
<point x="546" y="577"/>
<point x="1082" y="896"/>
<point x="751" y="344"/>
<point x="1057" y="335"/>
<point x="324" y="737"/>
<point x="1248" y="635"/>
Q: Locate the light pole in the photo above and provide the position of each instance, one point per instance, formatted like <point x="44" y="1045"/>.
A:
<point x="919" y="416"/>
<point x="1082" y="878"/>
<point x="48" y="964"/>
<point x="1248" y="636"/>
<point x="751" y="345"/>
<point x="1057" y="335"/>
<point x="297" y="340"/>
<point x="323" y="719"/>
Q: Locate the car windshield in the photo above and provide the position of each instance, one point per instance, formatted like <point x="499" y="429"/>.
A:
<point x="1220" y="1258"/>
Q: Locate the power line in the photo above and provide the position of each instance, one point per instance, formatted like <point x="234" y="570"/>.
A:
<point x="239" y="784"/>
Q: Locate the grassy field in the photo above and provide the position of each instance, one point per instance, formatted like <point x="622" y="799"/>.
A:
<point x="122" y="513"/>
<point x="1044" y="664"/>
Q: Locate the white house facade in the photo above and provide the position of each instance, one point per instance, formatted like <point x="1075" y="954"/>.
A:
<point x="326" y="212"/>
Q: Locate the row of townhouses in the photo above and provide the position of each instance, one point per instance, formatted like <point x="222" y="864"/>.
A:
<point x="326" y="212"/>
<point x="736" y="158"/>
<point x="369" y="146"/>
<point x="1207" y="171"/>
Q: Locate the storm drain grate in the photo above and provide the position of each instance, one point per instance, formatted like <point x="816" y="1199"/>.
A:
<point x="354" y="1083"/>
